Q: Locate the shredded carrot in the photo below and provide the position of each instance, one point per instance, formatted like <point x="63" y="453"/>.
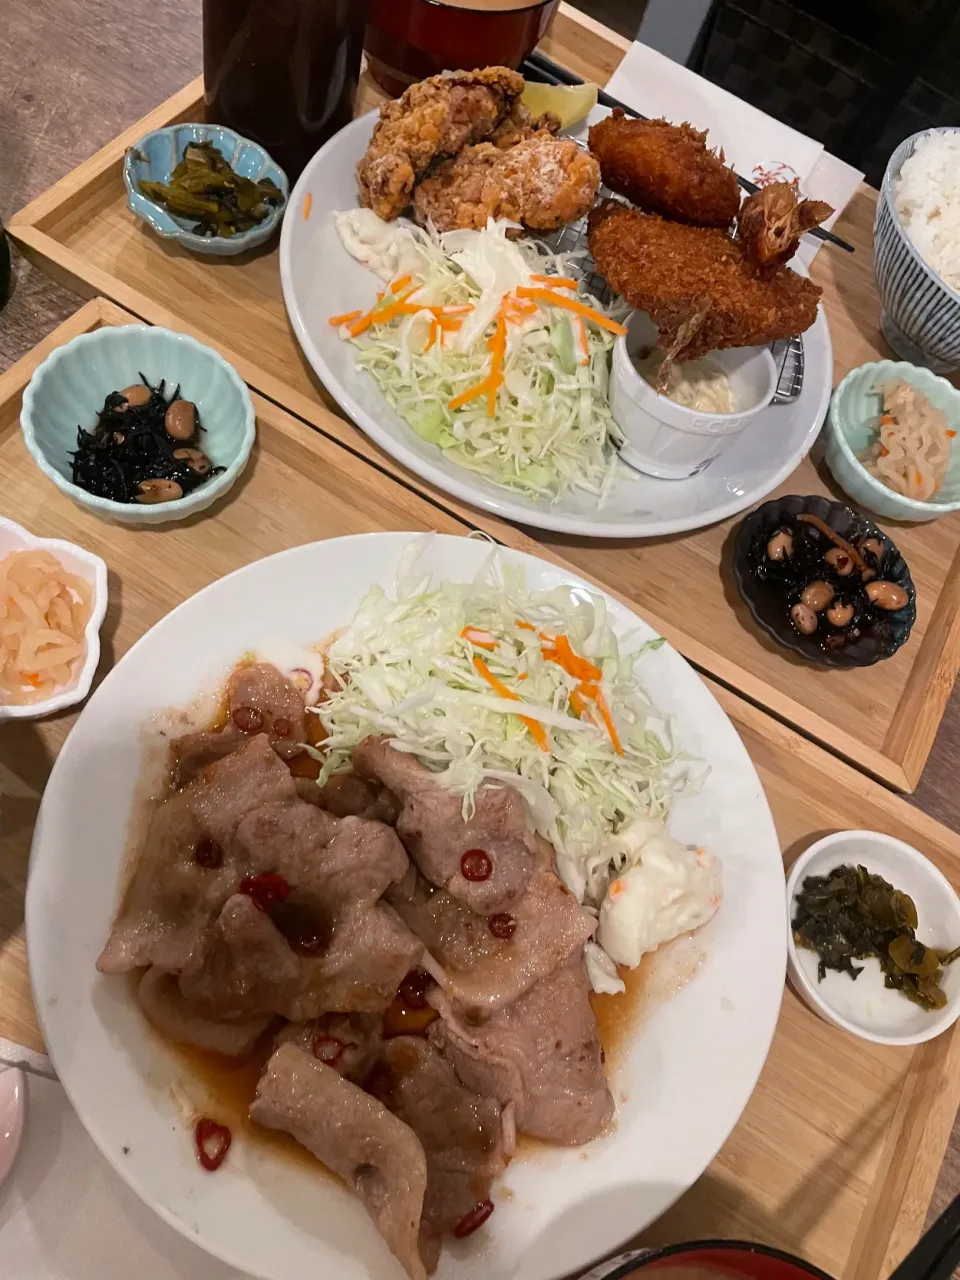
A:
<point x="556" y="282"/>
<point x="307" y="204"/>
<point x="399" y="284"/>
<point x="345" y="318"/>
<point x="380" y="315"/>
<point x="581" y="669"/>
<point x="524" y="626"/>
<point x="537" y="731"/>
<point x="498" y="345"/>
<point x="951" y="434"/>
<point x="883" y="451"/>
<point x="582" y="340"/>
<point x="471" y="393"/>
<point x="435" y="332"/>
<point x="478" y="636"/>
<point x="521" y="676"/>
<point x="577" y="702"/>
<point x="572" y="304"/>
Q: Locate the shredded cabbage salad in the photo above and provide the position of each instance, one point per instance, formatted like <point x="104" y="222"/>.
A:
<point x="491" y="681"/>
<point x="489" y="350"/>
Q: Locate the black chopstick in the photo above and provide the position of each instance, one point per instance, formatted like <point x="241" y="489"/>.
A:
<point x="539" y="67"/>
<point x="937" y="1252"/>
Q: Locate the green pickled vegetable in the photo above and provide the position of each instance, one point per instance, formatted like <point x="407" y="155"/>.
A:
<point x="205" y="187"/>
<point x="851" y="914"/>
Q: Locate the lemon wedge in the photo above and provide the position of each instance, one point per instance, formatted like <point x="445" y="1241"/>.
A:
<point x="571" y="102"/>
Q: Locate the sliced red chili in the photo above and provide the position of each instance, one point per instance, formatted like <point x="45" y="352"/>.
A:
<point x="470" y="1222"/>
<point x="413" y="989"/>
<point x="282" y="727"/>
<point x="328" y="1049"/>
<point x="213" y="1142"/>
<point x="248" y="719"/>
<point x="502" y="926"/>
<point x="265" y="889"/>
<point x="208" y="853"/>
<point x="476" y="865"/>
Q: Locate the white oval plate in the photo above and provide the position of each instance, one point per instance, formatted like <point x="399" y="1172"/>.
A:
<point x="320" y="279"/>
<point x="682" y="1082"/>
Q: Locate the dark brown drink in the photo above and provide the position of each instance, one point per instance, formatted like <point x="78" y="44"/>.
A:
<point x="408" y="40"/>
<point x="283" y="72"/>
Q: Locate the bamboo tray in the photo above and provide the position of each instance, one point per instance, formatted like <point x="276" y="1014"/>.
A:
<point x="883" y="719"/>
<point x="838" y="1151"/>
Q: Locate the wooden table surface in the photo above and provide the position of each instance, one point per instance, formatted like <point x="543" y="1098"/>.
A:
<point x="79" y="72"/>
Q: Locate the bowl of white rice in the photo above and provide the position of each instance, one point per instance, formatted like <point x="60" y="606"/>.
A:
<point x="916" y="249"/>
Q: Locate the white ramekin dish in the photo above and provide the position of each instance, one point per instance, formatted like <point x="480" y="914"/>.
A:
<point x="863" y="1006"/>
<point x="666" y="439"/>
<point x="93" y="570"/>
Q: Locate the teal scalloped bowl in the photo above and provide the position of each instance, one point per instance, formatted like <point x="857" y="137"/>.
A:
<point x="156" y="155"/>
<point x="852" y="425"/>
<point x="69" y="388"/>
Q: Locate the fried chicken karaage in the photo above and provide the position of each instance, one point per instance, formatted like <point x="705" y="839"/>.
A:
<point x="542" y="182"/>
<point x="434" y="118"/>
<point x="697" y="285"/>
<point x="772" y="220"/>
<point x="520" y="124"/>
<point x="667" y="169"/>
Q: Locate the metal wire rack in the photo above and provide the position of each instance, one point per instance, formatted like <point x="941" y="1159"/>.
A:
<point x="572" y="239"/>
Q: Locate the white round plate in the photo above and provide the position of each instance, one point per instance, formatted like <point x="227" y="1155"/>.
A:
<point x="320" y="279"/>
<point x="682" y="1081"/>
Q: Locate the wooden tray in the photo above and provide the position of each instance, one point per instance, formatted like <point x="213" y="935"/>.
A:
<point x="838" y="1151"/>
<point x="883" y="719"/>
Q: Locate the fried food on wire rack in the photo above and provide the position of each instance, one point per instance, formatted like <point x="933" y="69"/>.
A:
<point x="543" y="182"/>
<point x="521" y="124"/>
<point x="667" y="169"/>
<point x="434" y="118"/>
<point x="696" y="284"/>
<point x="772" y="220"/>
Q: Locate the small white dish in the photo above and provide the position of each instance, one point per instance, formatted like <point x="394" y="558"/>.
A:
<point x="13" y="537"/>
<point x="13" y="1106"/>
<point x="865" y="1007"/>
<point x="666" y="439"/>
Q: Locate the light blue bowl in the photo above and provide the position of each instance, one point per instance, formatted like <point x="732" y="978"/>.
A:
<point x="69" y="388"/>
<point x="920" y="312"/>
<point x="157" y="154"/>
<point x="855" y="409"/>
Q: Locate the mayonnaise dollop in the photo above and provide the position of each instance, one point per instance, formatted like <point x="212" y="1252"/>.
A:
<point x="390" y="249"/>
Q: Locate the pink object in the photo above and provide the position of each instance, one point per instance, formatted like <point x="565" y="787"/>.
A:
<point x="13" y="1103"/>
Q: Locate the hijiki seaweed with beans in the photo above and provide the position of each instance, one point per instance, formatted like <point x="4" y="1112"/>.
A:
<point x="832" y="588"/>
<point x="144" y="448"/>
<point x="851" y="914"/>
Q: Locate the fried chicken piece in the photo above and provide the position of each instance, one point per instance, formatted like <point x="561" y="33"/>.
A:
<point x="666" y="168"/>
<point x="520" y="125"/>
<point x="771" y="222"/>
<point x="696" y="284"/>
<point x="542" y="182"/>
<point x="435" y="117"/>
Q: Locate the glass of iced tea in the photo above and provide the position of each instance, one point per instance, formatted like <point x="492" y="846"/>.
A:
<point x="408" y="40"/>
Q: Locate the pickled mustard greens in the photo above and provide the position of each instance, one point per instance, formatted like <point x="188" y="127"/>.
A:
<point x="851" y="914"/>
<point x="205" y="187"/>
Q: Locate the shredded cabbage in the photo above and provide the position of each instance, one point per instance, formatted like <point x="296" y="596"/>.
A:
<point x="552" y="430"/>
<point x="406" y="670"/>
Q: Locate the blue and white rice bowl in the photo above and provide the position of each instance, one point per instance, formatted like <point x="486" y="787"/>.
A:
<point x="920" y="316"/>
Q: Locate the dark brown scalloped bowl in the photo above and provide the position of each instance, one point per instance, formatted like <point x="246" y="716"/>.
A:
<point x="767" y="607"/>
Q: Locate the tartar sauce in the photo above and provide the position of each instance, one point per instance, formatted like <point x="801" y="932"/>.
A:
<point x="696" y="384"/>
